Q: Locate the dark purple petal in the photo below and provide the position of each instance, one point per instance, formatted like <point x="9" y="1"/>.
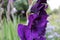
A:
<point x="40" y="4"/>
<point x="21" y="31"/>
<point x="42" y="1"/>
<point x="24" y="32"/>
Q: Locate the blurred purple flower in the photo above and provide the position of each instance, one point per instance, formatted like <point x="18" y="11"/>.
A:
<point x="38" y="6"/>
<point x="35" y="30"/>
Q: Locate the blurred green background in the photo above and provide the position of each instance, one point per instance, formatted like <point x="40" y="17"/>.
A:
<point x="8" y="27"/>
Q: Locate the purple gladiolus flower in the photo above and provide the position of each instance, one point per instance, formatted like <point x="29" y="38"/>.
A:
<point x="35" y="30"/>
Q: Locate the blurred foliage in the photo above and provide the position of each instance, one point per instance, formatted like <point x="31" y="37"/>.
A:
<point x="48" y="10"/>
<point x="5" y="4"/>
<point x="53" y="26"/>
<point x="21" y="4"/>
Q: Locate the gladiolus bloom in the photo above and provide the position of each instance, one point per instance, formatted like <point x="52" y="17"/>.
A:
<point x="35" y="30"/>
